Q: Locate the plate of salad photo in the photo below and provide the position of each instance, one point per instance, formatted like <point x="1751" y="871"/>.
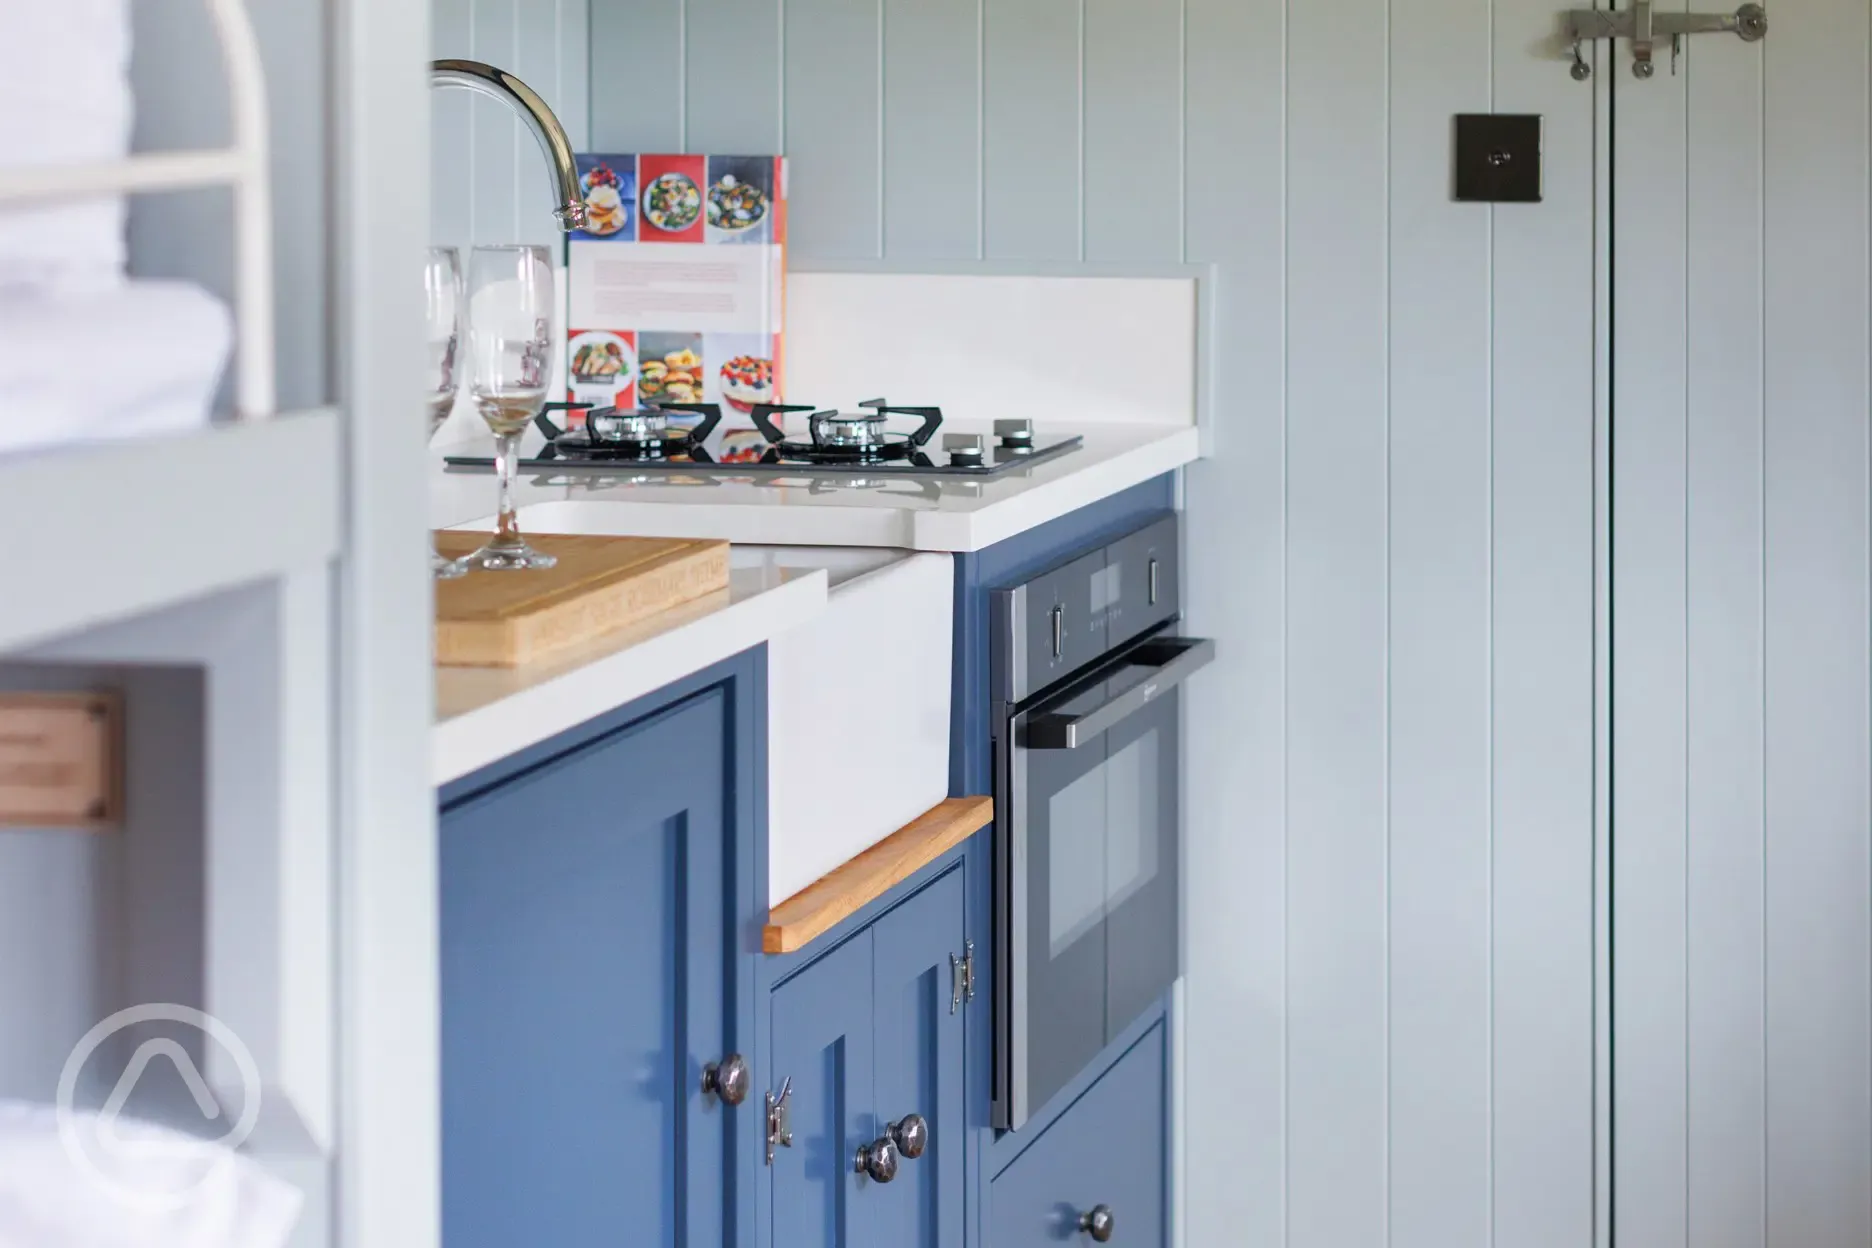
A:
<point x="672" y="202"/>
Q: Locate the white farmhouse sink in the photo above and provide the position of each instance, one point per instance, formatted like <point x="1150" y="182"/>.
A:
<point x="857" y="708"/>
<point x="858" y="698"/>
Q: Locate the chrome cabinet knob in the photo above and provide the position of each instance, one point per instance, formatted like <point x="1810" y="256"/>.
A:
<point x="1097" y="1223"/>
<point x="727" y="1079"/>
<point x="910" y="1134"/>
<point x="878" y="1159"/>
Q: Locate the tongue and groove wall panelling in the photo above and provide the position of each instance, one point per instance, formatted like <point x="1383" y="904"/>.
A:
<point x="1235" y="874"/>
<point x="1132" y="163"/>
<point x="1542" y="855"/>
<point x="639" y="77"/>
<point x="1338" y="675"/>
<point x="1032" y="154"/>
<point x="731" y="75"/>
<point x="832" y="106"/>
<point x="932" y="131"/>
<point x="489" y="182"/>
<point x="1437" y="823"/>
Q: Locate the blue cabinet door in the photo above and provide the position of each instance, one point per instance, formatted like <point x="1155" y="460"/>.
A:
<point x="821" y="1040"/>
<point x="919" y="1024"/>
<point x="1106" y="1154"/>
<point x="584" y="939"/>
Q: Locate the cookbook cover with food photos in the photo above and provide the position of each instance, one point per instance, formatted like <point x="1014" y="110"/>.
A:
<point x="676" y="284"/>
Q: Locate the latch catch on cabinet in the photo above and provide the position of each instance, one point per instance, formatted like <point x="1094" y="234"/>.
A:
<point x="779" y="1132"/>
<point x="1644" y="26"/>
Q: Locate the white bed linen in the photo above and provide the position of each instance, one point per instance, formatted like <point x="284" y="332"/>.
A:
<point x="65" y="98"/>
<point x="142" y="358"/>
<point x="84" y="1182"/>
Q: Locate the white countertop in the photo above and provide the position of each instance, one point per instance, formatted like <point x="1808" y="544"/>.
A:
<point x="910" y="513"/>
<point x="484" y="714"/>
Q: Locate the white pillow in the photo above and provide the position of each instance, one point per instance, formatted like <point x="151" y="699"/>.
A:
<point x="64" y="99"/>
<point x="139" y="1186"/>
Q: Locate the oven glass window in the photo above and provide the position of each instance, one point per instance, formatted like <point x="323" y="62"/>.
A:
<point x="1134" y="810"/>
<point x="1103" y="839"/>
<point x="1076" y="860"/>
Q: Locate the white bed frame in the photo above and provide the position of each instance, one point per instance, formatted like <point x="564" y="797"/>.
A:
<point x="242" y="166"/>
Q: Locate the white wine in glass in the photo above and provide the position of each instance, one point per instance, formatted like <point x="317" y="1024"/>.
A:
<point x="442" y="288"/>
<point x="510" y="341"/>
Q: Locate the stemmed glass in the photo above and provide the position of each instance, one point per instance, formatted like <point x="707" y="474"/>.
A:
<point x="442" y="282"/>
<point x="510" y="339"/>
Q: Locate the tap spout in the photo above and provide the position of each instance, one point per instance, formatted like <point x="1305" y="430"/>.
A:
<point x="569" y="202"/>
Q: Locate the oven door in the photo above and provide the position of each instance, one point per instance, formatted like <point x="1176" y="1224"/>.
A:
<point x="1087" y="870"/>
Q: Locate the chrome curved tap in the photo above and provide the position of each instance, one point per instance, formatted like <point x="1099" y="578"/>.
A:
<point x="569" y="209"/>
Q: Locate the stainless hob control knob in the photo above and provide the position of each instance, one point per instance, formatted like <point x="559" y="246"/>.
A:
<point x="965" y="450"/>
<point x="1015" y="434"/>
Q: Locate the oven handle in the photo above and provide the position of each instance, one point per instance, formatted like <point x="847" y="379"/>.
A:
<point x="1069" y="732"/>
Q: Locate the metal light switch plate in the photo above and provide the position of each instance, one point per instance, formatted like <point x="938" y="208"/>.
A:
<point x="1498" y="158"/>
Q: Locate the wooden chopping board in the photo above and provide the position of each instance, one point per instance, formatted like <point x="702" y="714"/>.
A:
<point x="507" y="619"/>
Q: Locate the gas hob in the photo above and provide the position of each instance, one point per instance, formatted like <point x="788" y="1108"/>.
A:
<point x="646" y="442"/>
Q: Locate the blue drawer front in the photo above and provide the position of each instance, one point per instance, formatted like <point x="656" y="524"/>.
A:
<point x="1109" y="1149"/>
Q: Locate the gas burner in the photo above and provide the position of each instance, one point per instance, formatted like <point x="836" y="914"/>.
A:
<point x="846" y="437"/>
<point x="858" y="446"/>
<point x="631" y="435"/>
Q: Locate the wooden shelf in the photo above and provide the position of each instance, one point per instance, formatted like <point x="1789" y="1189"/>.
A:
<point x="830" y="900"/>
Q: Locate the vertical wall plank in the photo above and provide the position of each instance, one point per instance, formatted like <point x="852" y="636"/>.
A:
<point x="451" y="135"/>
<point x="1337" y="608"/>
<point x="536" y="59"/>
<point x="1235" y="873"/>
<point x="1819" y="942"/>
<point x="731" y="79"/>
<point x="1649" y="677"/>
<point x="572" y="100"/>
<point x="495" y="136"/>
<point x="1439" y="644"/>
<point x="636" y="76"/>
<point x="932" y="130"/>
<point x="1723" y="584"/>
<point x="1541" y="308"/>
<point x="1031" y="154"/>
<point x="1133" y="130"/>
<point x="833" y="122"/>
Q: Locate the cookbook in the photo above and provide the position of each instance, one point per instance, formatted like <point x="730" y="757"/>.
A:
<point x="676" y="285"/>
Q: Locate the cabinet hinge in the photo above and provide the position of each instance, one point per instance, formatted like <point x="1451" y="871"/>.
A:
<point x="962" y="977"/>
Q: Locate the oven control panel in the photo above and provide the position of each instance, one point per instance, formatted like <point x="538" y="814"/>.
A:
<point x="1073" y="615"/>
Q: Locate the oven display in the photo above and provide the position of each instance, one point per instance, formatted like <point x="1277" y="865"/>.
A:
<point x="1106" y="587"/>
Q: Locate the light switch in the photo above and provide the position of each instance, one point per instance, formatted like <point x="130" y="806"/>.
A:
<point x="1498" y="158"/>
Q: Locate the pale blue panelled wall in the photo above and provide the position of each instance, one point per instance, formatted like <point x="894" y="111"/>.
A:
<point x="488" y="181"/>
<point x="1391" y="861"/>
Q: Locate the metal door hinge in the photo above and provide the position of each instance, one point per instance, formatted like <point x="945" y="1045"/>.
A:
<point x="1644" y="25"/>
<point x="962" y="977"/>
<point x="779" y="1130"/>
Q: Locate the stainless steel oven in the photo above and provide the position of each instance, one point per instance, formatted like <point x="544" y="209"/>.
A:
<point x="1087" y="669"/>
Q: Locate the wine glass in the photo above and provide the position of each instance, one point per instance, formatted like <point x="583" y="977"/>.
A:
<point x="510" y="341"/>
<point x="442" y="289"/>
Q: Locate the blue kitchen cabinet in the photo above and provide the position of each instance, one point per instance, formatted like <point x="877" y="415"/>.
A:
<point x="1101" y="1167"/>
<point x="918" y="1020"/>
<point x="589" y="909"/>
<point x="823" y="1054"/>
<point x="870" y="1034"/>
